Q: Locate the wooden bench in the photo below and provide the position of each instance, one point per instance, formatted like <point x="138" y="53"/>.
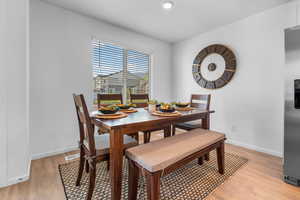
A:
<point x="164" y="156"/>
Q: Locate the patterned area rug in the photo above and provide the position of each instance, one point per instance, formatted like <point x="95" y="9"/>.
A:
<point x="192" y="182"/>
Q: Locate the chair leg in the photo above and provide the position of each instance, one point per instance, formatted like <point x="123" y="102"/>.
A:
<point x="220" y="158"/>
<point x="147" y="135"/>
<point x="92" y="180"/>
<point x="108" y="164"/>
<point x="153" y="185"/>
<point x="81" y="167"/>
<point x="200" y="161"/>
<point x="133" y="176"/>
<point x="173" y="130"/>
<point x="136" y="137"/>
<point x="87" y="167"/>
<point x="206" y="157"/>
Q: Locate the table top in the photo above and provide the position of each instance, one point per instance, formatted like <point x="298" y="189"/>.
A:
<point x="144" y="116"/>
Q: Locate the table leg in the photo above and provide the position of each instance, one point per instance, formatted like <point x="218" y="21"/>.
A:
<point x="206" y="125"/>
<point x="116" y="163"/>
<point x="206" y="122"/>
<point x="167" y="131"/>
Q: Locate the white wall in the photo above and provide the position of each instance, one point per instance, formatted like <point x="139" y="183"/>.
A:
<point x="14" y="137"/>
<point x="61" y="65"/>
<point x="250" y="108"/>
<point x="3" y="134"/>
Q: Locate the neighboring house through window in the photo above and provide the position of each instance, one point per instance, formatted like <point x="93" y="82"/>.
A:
<point x="117" y="70"/>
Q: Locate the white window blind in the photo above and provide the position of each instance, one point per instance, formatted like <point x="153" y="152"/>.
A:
<point x="117" y="70"/>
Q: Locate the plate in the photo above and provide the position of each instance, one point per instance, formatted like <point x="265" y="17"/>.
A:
<point x="165" y="114"/>
<point x="109" y="116"/>
<point x="128" y="110"/>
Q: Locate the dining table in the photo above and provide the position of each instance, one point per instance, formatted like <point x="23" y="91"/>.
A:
<point x="142" y="120"/>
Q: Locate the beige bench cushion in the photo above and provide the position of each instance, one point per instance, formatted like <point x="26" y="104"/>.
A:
<point x="158" y="155"/>
<point x="102" y="143"/>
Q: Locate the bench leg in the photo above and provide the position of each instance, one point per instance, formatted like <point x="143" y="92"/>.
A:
<point x="220" y="157"/>
<point x="133" y="176"/>
<point x="153" y="185"/>
<point x="200" y="161"/>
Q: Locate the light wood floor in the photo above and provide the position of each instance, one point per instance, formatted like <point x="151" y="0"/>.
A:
<point x="259" y="179"/>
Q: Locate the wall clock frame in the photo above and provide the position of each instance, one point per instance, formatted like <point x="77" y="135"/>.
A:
<point x="230" y="66"/>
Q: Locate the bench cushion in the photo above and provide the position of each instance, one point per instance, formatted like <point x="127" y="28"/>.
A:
<point x="160" y="154"/>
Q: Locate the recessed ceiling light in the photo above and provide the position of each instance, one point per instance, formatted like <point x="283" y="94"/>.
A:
<point x="167" y="5"/>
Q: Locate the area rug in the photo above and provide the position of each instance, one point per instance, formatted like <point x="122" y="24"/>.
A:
<point x="191" y="182"/>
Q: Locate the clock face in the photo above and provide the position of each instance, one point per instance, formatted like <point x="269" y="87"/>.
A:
<point x="214" y="66"/>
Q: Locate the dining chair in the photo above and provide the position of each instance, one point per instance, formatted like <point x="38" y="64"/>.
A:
<point x="141" y="100"/>
<point x="201" y="101"/>
<point x="93" y="148"/>
<point x="107" y="99"/>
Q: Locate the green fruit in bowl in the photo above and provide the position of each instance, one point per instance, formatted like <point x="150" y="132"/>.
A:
<point x="182" y="105"/>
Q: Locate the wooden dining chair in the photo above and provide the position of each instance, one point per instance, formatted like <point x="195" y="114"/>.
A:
<point x="200" y="101"/>
<point x="93" y="148"/>
<point x="140" y="100"/>
<point x="107" y="99"/>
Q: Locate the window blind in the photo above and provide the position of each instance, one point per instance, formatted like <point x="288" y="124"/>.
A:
<point x="119" y="70"/>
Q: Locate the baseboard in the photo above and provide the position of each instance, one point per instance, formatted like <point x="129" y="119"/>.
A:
<point x="53" y="153"/>
<point x="16" y="180"/>
<point x="255" y="148"/>
<point x="20" y="179"/>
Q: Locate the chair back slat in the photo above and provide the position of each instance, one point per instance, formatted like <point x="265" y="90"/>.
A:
<point x="105" y="99"/>
<point x="201" y="101"/>
<point x="141" y="100"/>
<point x="86" y="129"/>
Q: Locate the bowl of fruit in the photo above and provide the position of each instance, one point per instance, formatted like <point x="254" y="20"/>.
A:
<point x="109" y="109"/>
<point x="166" y="107"/>
<point x="181" y="105"/>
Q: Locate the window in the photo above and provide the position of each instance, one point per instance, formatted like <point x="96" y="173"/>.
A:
<point x="117" y="70"/>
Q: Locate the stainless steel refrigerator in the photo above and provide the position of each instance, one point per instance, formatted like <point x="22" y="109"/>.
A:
<point x="292" y="108"/>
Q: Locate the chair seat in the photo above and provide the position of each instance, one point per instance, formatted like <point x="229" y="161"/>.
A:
<point x="189" y="125"/>
<point x="102" y="143"/>
<point x="158" y="155"/>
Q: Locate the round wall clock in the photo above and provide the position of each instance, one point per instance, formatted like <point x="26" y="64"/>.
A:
<point x="214" y="66"/>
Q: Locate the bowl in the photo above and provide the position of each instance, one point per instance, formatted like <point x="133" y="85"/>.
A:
<point x="167" y="110"/>
<point x="109" y="110"/>
<point x="182" y="105"/>
<point x="124" y="106"/>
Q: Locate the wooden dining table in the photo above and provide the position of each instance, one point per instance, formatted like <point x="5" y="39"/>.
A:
<point x="133" y="123"/>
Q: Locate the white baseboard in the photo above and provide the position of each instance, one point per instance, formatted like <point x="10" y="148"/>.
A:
<point x="53" y="153"/>
<point x="20" y="179"/>
<point x="255" y="148"/>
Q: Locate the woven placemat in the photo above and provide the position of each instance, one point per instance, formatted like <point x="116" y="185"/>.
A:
<point x="191" y="182"/>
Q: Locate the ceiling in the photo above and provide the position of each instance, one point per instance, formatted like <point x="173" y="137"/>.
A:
<point x="186" y="19"/>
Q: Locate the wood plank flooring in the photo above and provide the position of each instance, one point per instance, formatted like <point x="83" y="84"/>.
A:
<point x="259" y="179"/>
